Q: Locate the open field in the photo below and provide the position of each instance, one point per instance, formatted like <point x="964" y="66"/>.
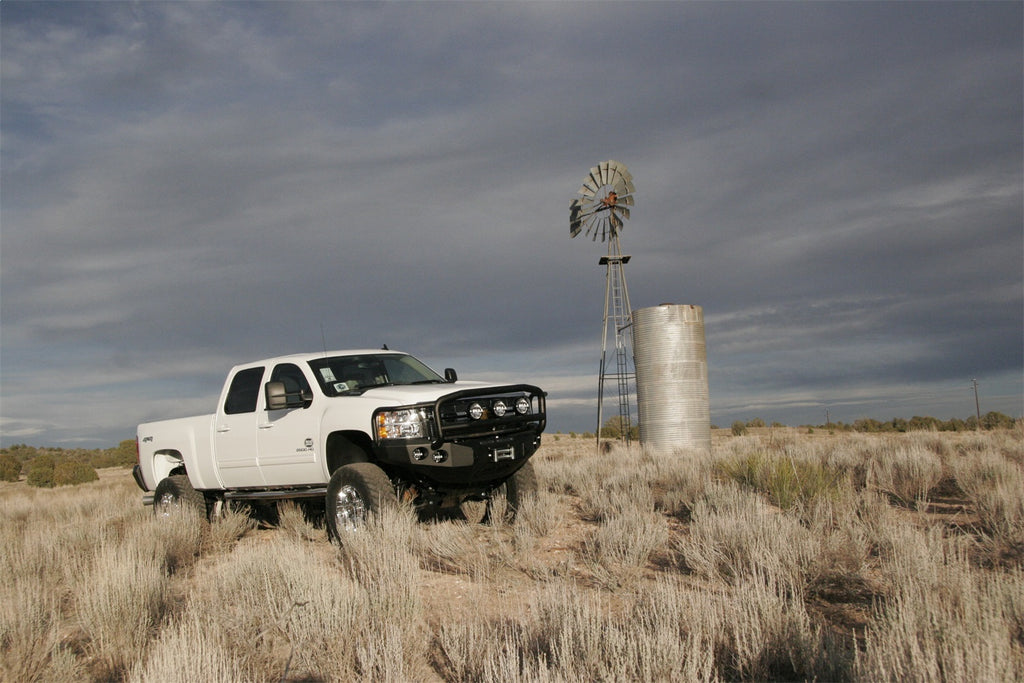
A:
<point x="781" y="556"/>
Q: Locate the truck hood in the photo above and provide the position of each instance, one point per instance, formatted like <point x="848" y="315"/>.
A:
<point x="421" y="393"/>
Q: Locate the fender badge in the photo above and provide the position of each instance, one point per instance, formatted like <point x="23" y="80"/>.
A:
<point x="309" y="443"/>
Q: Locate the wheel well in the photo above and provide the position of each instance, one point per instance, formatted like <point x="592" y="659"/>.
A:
<point x="347" y="447"/>
<point x="166" y="463"/>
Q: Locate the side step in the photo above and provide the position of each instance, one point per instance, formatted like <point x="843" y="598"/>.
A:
<point x="277" y="494"/>
<point x="263" y="494"/>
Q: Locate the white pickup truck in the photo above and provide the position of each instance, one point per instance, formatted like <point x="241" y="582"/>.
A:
<point x="359" y="430"/>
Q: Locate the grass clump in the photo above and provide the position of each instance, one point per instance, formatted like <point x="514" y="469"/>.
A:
<point x="786" y="481"/>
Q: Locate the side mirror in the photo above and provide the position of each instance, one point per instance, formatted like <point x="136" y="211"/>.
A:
<point x="451" y="376"/>
<point x="278" y="397"/>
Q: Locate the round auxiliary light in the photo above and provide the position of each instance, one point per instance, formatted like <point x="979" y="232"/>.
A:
<point x="419" y="454"/>
<point x="440" y="456"/>
<point x="476" y="411"/>
<point x="523" y="405"/>
<point x="499" y="408"/>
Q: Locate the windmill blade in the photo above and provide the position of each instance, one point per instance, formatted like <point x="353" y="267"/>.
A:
<point x="602" y="203"/>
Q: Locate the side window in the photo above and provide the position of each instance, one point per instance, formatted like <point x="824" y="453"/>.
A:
<point x="294" y="381"/>
<point x="244" y="392"/>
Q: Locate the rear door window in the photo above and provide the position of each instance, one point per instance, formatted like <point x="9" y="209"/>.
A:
<point x="244" y="392"/>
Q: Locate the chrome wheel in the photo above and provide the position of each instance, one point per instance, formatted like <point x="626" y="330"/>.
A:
<point x="166" y="504"/>
<point x="349" y="509"/>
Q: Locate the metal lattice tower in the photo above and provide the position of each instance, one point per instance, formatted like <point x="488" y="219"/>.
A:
<point x="617" y="316"/>
<point x="603" y="203"/>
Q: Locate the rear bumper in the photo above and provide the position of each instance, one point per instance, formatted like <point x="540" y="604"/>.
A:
<point x="137" y="475"/>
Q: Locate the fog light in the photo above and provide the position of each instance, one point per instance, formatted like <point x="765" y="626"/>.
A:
<point x="440" y="456"/>
<point x="523" y="405"/>
<point x="476" y="411"/>
<point x="419" y="454"/>
<point x="499" y="408"/>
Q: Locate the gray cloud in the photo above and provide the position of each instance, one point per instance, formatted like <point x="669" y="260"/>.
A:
<point x="186" y="186"/>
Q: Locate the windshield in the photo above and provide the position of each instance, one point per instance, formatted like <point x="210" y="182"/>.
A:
<point x="346" y="375"/>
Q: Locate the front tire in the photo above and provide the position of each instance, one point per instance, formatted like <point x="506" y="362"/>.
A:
<point x="357" y="492"/>
<point x="174" y="493"/>
<point x="519" y="488"/>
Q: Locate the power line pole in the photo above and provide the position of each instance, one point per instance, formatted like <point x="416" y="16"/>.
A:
<point x="977" y="405"/>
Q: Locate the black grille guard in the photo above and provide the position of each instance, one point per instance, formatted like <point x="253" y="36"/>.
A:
<point x="494" y="426"/>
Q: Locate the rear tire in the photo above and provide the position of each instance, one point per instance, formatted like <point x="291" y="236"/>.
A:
<point x="174" y="493"/>
<point x="356" y="492"/>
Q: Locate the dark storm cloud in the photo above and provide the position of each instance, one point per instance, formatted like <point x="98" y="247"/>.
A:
<point x="191" y="185"/>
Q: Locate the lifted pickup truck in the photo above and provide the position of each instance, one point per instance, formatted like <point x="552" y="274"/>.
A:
<point x="358" y="430"/>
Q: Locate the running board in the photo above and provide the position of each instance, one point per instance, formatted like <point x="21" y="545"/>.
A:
<point x="277" y="494"/>
<point x="263" y="494"/>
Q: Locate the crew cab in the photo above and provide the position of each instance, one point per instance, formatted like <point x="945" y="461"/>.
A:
<point x="358" y="429"/>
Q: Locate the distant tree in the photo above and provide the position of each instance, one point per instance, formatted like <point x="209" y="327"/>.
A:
<point x="71" y="472"/>
<point x="10" y="467"/>
<point x="612" y="428"/>
<point x="39" y="471"/>
<point x="739" y="428"/>
<point x="994" y="420"/>
<point x="756" y="422"/>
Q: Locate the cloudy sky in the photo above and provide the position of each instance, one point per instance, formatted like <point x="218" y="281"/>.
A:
<point x="187" y="186"/>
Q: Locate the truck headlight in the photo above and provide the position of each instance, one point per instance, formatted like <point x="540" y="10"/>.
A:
<point x="499" y="408"/>
<point x="407" y="423"/>
<point x="476" y="411"/>
<point x="523" y="405"/>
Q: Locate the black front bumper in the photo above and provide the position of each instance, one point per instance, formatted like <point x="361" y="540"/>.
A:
<point x="476" y="463"/>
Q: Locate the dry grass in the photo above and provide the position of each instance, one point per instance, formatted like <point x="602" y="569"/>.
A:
<point x="780" y="556"/>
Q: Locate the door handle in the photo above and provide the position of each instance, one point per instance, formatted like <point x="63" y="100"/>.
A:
<point x="223" y="428"/>
<point x="268" y="425"/>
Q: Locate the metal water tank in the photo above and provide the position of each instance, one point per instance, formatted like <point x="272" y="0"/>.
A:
<point x="672" y="377"/>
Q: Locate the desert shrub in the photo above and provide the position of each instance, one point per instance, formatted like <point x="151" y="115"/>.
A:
<point x="735" y="535"/>
<point x="995" y="485"/>
<point x="944" y="620"/>
<point x="906" y="472"/>
<point x="70" y="472"/>
<point x="785" y="480"/>
<point x="10" y="467"/>
<point x="120" y="604"/>
<point x="40" y="473"/>
<point x="739" y="428"/>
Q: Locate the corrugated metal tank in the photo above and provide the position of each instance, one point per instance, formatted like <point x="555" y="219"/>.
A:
<point x="672" y="377"/>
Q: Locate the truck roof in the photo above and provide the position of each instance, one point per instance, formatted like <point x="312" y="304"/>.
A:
<point x="305" y="357"/>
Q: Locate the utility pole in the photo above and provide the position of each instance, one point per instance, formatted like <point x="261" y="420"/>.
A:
<point x="977" y="406"/>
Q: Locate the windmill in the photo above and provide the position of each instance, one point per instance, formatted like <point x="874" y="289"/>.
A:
<point x="601" y="206"/>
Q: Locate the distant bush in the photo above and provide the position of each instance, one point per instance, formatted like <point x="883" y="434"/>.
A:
<point x="122" y="455"/>
<point x="10" y="467"/>
<point x="69" y="473"/>
<point x="739" y="428"/>
<point x="39" y="472"/>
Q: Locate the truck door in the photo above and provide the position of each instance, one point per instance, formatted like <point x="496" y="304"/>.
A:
<point x="235" y="443"/>
<point x="288" y="438"/>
